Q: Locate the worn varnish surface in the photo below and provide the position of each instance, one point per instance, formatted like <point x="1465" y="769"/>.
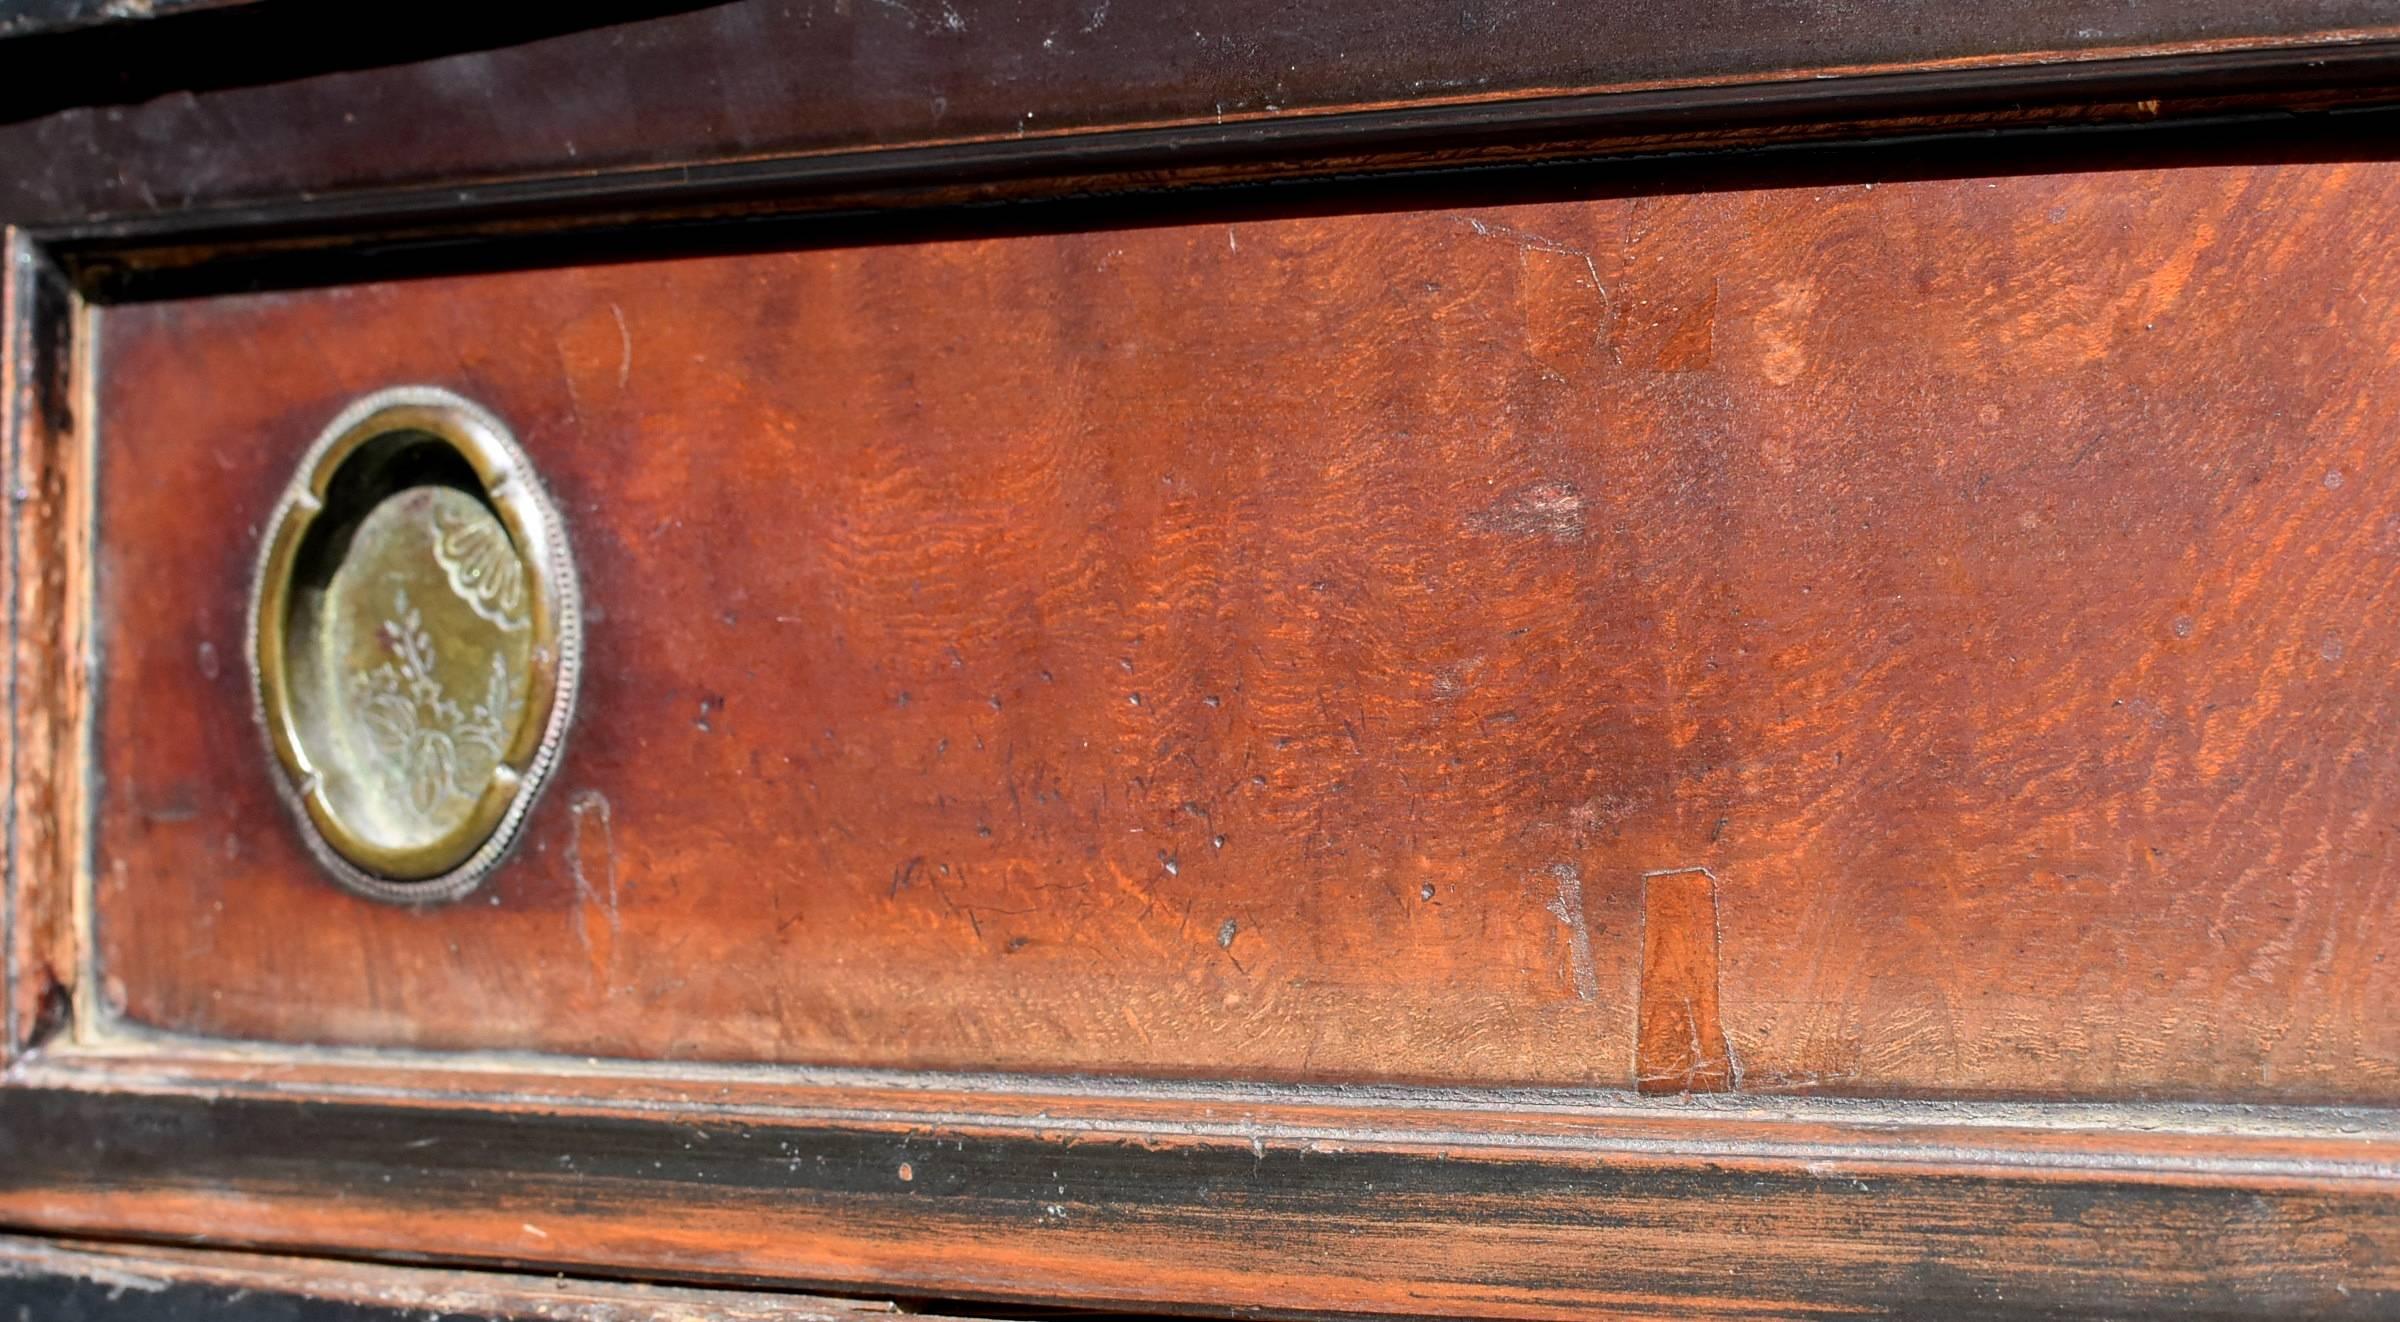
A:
<point x="49" y="606"/>
<point x="1282" y="649"/>
<point x="78" y="1282"/>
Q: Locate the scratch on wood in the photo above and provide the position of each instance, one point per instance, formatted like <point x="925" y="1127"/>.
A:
<point x="947" y="19"/>
<point x="624" y="339"/>
<point x="1679" y="1043"/>
<point x="117" y="1282"/>
<point x="1568" y="909"/>
<point x="1548" y="510"/>
<point x="1560" y="334"/>
<point x="589" y="837"/>
<point x="1536" y="243"/>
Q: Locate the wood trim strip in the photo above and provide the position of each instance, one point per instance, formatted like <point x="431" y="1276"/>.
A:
<point x="2165" y="1140"/>
<point x="47" y="500"/>
<point x="148" y="1283"/>
<point x="1157" y="1217"/>
<point x="16" y="386"/>
<point x="2235" y="99"/>
<point x="459" y="96"/>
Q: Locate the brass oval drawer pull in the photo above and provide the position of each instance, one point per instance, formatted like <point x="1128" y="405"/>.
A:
<point x="415" y="636"/>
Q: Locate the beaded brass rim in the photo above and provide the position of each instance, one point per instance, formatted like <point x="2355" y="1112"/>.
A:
<point x="416" y="636"/>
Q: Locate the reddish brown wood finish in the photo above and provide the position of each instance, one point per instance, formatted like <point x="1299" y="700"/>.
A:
<point x="1681" y="1043"/>
<point x="1280" y="650"/>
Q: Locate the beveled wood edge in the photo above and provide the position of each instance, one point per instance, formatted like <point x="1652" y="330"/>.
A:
<point x="1144" y="77"/>
<point x="16" y="273"/>
<point x="1376" y="1209"/>
<point x="45" y="487"/>
<point x="340" y="236"/>
<point x="144" y="1281"/>
<point x="2155" y="1140"/>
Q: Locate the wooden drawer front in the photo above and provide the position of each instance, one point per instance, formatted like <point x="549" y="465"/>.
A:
<point x="1919" y="637"/>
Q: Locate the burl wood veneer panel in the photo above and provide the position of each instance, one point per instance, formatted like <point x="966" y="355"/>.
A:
<point x="1951" y="615"/>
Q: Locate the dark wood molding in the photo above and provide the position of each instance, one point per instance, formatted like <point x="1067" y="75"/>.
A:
<point x="41" y="316"/>
<point x="1315" y="1207"/>
<point x="757" y="96"/>
<point x="1371" y="162"/>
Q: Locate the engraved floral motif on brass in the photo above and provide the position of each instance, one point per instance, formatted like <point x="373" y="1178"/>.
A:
<point x="416" y="637"/>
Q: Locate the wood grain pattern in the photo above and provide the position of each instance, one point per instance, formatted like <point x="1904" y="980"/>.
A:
<point x="1201" y="650"/>
<point x="1313" y="640"/>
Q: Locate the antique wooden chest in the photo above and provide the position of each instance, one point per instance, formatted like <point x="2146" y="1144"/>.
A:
<point x="1445" y="658"/>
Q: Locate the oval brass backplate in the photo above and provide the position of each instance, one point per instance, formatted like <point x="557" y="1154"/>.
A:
<point x="415" y="634"/>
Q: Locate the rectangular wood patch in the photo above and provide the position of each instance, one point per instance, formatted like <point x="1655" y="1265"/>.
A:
<point x="1680" y="1046"/>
